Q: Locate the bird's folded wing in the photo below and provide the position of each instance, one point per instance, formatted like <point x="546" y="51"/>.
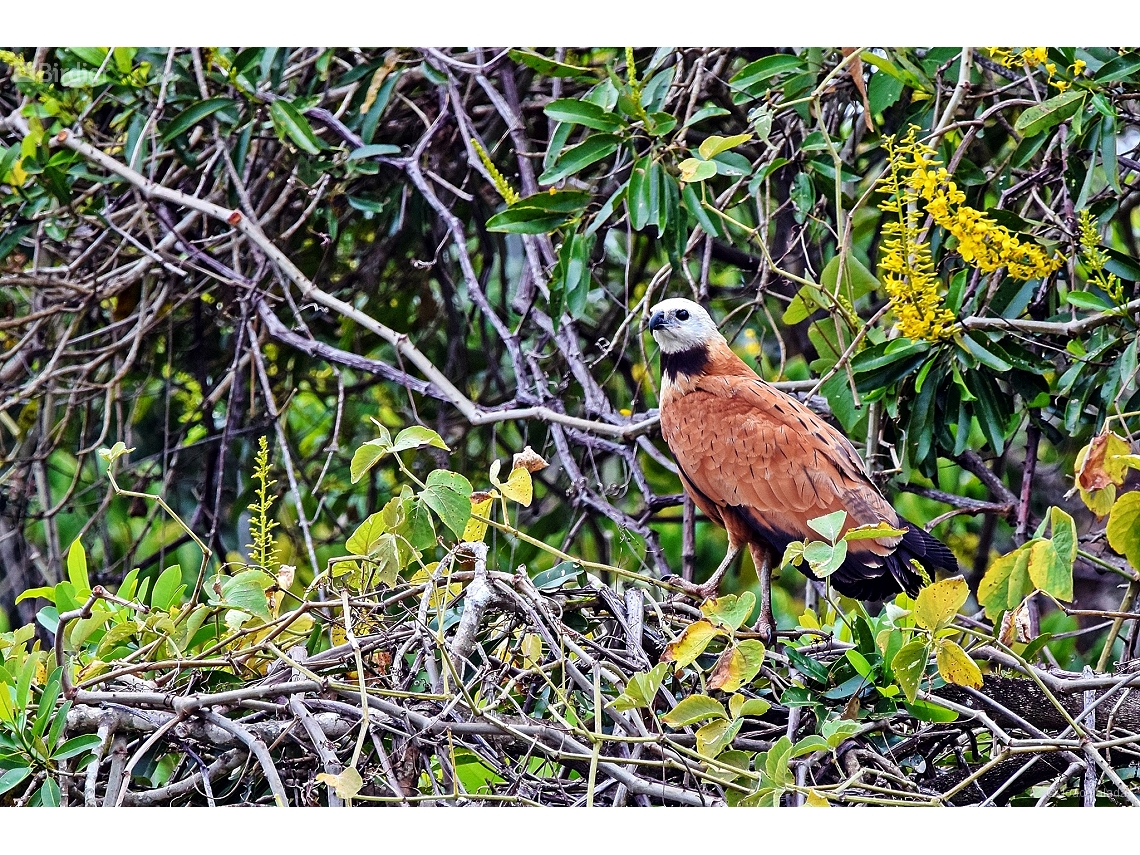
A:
<point x="745" y="445"/>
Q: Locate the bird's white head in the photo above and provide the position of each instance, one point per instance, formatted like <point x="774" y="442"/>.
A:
<point x="680" y="325"/>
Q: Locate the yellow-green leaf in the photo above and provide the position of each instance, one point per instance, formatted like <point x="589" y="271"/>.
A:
<point x="693" y="709"/>
<point x="346" y="785"/>
<point x="77" y="569"/>
<point x="1006" y="583"/>
<point x="641" y="689"/>
<point x="693" y="170"/>
<point x="956" y="666"/>
<point x="938" y="603"/>
<point x="729" y="610"/>
<point x="1049" y="572"/>
<point x="714" y="145"/>
<point x="908" y="666"/>
<point x="871" y="532"/>
<point x="518" y="486"/>
<point x="715" y="736"/>
<point x="1124" y="527"/>
<point x="690" y="644"/>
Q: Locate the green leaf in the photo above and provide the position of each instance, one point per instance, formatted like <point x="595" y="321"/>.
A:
<point x="806" y="665"/>
<point x="1118" y="68"/>
<point x="856" y="281"/>
<point x="558" y="576"/>
<point x="90" y="55"/>
<point x="641" y="689"/>
<point x="417" y="436"/>
<point x="12" y="239"/>
<point x="449" y="495"/>
<point x="289" y="122"/>
<point x="48" y="794"/>
<point x="168" y="589"/>
<point x="13" y="778"/>
<point x="76" y="746"/>
<point x="975" y="348"/>
<point x="937" y="604"/>
<point x="730" y="610"/>
<point x="909" y="665"/>
<point x="582" y="113"/>
<point x="956" y="666"/>
<point x="824" y="558"/>
<point x="1049" y="571"/>
<point x="691" y="643"/>
<point x="829" y="525"/>
<point x="1087" y="300"/>
<point x="1042" y="117"/>
<point x="705" y="113"/>
<point x="110" y="455"/>
<point x="754" y="706"/>
<point x="808" y="745"/>
<point x="550" y="67"/>
<point x="859" y="662"/>
<point x="577" y="158"/>
<point x="715" y="736"/>
<point x="643" y="198"/>
<point x="77" y="569"/>
<point x="873" y="532"/>
<point x="692" y="203"/>
<point x="246" y="592"/>
<point x="776" y="763"/>
<point x="765" y="69"/>
<point x="48" y="593"/>
<point x="883" y="91"/>
<point x="194" y="114"/>
<point x="714" y="145"/>
<point x="926" y="711"/>
<point x="1124" y="527"/>
<point x="378" y="150"/>
<point x="692" y="709"/>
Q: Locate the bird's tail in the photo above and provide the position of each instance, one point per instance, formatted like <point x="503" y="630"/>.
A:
<point x="855" y="579"/>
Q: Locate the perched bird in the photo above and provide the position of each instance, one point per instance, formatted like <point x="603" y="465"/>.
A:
<point x="761" y="464"/>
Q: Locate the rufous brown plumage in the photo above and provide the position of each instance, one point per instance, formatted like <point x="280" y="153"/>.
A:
<point x="761" y="464"/>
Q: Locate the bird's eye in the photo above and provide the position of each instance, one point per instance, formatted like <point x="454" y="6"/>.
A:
<point x="682" y="314"/>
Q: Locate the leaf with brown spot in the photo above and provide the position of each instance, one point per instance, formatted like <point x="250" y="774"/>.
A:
<point x="529" y="460"/>
<point x="691" y="643"/>
<point x="938" y="603"/>
<point x="737" y="666"/>
<point x="956" y="666"/>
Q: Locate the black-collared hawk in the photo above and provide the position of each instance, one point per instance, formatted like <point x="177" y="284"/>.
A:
<point x="761" y="464"/>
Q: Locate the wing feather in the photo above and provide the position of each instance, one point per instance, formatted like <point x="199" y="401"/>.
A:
<point x="743" y="444"/>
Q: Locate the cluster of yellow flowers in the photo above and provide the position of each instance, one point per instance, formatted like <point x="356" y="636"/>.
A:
<point x="1095" y="259"/>
<point x="1034" y="57"/>
<point x="908" y="269"/>
<point x="915" y="176"/>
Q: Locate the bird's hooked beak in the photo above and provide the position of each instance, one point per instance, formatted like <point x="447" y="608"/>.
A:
<point x="657" y="321"/>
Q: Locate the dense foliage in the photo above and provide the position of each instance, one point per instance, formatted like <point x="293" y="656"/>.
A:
<point x="402" y="266"/>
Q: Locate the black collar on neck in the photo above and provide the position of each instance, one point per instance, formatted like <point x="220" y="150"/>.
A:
<point x="690" y="362"/>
